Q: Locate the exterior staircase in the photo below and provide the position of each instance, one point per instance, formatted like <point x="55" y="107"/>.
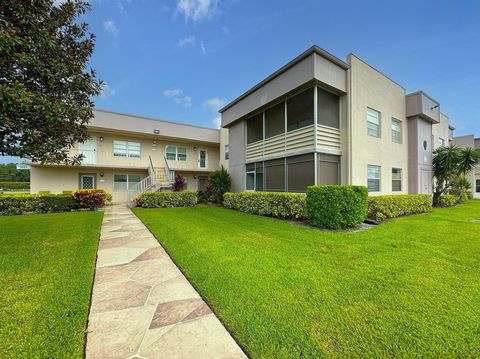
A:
<point x="158" y="179"/>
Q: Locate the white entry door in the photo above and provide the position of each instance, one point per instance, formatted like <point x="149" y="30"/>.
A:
<point x="89" y="151"/>
<point x="425" y="182"/>
<point x="87" y="181"/>
<point x="202" y="159"/>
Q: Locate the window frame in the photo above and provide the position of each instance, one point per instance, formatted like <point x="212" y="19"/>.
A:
<point x="130" y="149"/>
<point x="379" y="125"/>
<point x="379" y="179"/>
<point x="127" y="182"/>
<point x="227" y="152"/>
<point x="477" y="185"/>
<point x="400" y="133"/>
<point x="175" y="153"/>
<point x="397" y="180"/>
<point x="441" y="142"/>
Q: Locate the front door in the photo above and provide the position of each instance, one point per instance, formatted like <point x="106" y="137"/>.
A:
<point x="89" y="151"/>
<point x="202" y="158"/>
<point x="87" y="181"/>
<point x="202" y="182"/>
<point x="425" y="182"/>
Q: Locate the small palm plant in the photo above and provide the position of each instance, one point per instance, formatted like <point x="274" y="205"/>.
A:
<point x="449" y="164"/>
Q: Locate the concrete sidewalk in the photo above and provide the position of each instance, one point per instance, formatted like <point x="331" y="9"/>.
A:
<point x="142" y="305"/>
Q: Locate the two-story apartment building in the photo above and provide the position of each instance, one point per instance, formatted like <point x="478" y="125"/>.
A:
<point x="317" y="120"/>
<point x="320" y="120"/>
<point x="123" y="150"/>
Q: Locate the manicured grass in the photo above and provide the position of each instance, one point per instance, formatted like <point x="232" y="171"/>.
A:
<point x="407" y="288"/>
<point x="47" y="263"/>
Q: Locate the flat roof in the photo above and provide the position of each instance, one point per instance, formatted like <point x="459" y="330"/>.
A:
<point x="314" y="49"/>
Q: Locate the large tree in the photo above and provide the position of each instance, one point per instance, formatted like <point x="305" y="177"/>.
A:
<point x="46" y="84"/>
<point x="451" y="164"/>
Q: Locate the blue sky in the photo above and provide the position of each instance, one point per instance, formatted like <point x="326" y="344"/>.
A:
<point x="182" y="59"/>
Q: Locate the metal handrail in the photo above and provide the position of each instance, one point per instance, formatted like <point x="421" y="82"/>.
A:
<point x="140" y="187"/>
<point x="168" y="171"/>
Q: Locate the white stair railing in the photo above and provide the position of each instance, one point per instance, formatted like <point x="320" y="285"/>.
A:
<point x="168" y="172"/>
<point x="144" y="185"/>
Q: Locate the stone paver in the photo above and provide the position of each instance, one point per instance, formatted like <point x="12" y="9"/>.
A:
<point x="142" y="305"/>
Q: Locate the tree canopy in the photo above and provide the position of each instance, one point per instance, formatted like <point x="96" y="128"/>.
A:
<point x="46" y="84"/>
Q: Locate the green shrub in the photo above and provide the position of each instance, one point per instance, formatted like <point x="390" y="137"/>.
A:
<point x="448" y="200"/>
<point x="32" y="203"/>
<point x="391" y="206"/>
<point x="218" y="184"/>
<point x="68" y="192"/>
<point x="90" y="198"/>
<point x="274" y="204"/>
<point x="44" y="193"/>
<point x="336" y="206"/>
<point x="167" y="199"/>
<point x="14" y="185"/>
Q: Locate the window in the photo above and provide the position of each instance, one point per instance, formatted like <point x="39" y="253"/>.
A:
<point x="227" y="152"/>
<point x="300" y="110"/>
<point x="450" y="134"/>
<point x="126" y="149"/>
<point x="441" y="142"/>
<point x="328" y="169"/>
<point x="477" y="189"/>
<point x="173" y="153"/>
<point x="250" y="183"/>
<point x="122" y="182"/>
<point x="396" y="179"/>
<point x="396" y="131"/>
<point x="328" y="109"/>
<point x="373" y="181"/>
<point x="373" y="123"/>
<point x="254" y="177"/>
<point x="275" y="175"/>
<point x="255" y="128"/>
<point x="300" y="173"/>
<point x="275" y="120"/>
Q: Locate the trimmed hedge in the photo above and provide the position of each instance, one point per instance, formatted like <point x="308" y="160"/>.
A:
<point x="391" y="206"/>
<point x="90" y="198"/>
<point x="167" y="199"/>
<point x="448" y="200"/>
<point x="14" y="185"/>
<point x="274" y="204"/>
<point x="20" y="203"/>
<point x="336" y="206"/>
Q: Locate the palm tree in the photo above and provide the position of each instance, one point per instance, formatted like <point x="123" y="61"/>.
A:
<point x="449" y="164"/>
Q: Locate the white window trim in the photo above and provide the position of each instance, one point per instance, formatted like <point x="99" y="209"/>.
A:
<point x="128" y="182"/>
<point x="254" y="180"/>
<point x="379" y="178"/>
<point x="379" y="122"/>
<point x="227" y="152"/>
<point x="401" y="179"/>
<point x="176" y="153"/>
<point x="127" y="149"/>
<point x="206" y="158"/>
<point x="400" y="123"/>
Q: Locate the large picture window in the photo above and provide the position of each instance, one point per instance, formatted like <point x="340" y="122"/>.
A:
<point x="255" y="128"/>
<point x="124" y="182"/>
<point x="328" y="109"/>
<point x="373" y="123"/>
<point x="373" y="181"/>
<point x="300" y="110"/>
<point x="126" y="149"/>
<point x="174" y="153"/>
<point x="275" y="120"/>
<point x="300" y="173"/>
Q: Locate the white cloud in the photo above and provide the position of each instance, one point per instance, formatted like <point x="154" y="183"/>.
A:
<point x="214" y="104"/>
<point x="217" y="121"/>
<point x="107" y="91"/>
<point x="178" y="97"/>
<point x="196" y="10"/>
<point x="190" y="40"/>
<point x="110" y="26"/>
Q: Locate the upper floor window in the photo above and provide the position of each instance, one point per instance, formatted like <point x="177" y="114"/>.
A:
<point x="441" y="142"/>
<point x="300" y="110"/>
<point x="396" y="179"/>
<point x="126" y="149"/>
<point x="373" y="178"/>
<point x="227" y="152"/>
<point x="255" y="128"/>
<point x="174" y="153"/>
<point x="373" y="122"/>
<point x="328" y="109"/>
<point x="275" y="120"/>
<point x="396" y="131"/>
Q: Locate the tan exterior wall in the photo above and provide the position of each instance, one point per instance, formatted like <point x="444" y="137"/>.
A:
<point x="58" y="178"/>
<point x="224" y="140"/>
<point x="371" y="89"/>
<point x="440" y="130"/>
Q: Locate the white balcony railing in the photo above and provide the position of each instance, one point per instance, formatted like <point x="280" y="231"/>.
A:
<point x="105" y="158"/>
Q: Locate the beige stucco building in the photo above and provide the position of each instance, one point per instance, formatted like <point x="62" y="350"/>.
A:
<point x="317" y="120"/>
<point x="474" y="176"/>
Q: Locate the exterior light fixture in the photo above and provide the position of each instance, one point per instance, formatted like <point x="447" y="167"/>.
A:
<point x="195" y="148"/>
<point x="101" y="138"/>
<point x="157" y="132"/>
<point x="101" y="174"/>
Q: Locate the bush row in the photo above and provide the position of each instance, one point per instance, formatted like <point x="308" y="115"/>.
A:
<point x="14" y="185"/>
<point x="274" y="204"/>
<point x="167" y="199"/>
<point x="336" y="207"/>
<point x="12" y="204"/>
<point x="391" y="206"/>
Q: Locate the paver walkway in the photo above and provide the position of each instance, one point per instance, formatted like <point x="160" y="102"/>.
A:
<point x="142" y="305"/>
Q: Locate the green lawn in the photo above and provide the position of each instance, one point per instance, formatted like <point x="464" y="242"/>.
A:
<point x="47" y="263"/>
<point x="407" y="288"/>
